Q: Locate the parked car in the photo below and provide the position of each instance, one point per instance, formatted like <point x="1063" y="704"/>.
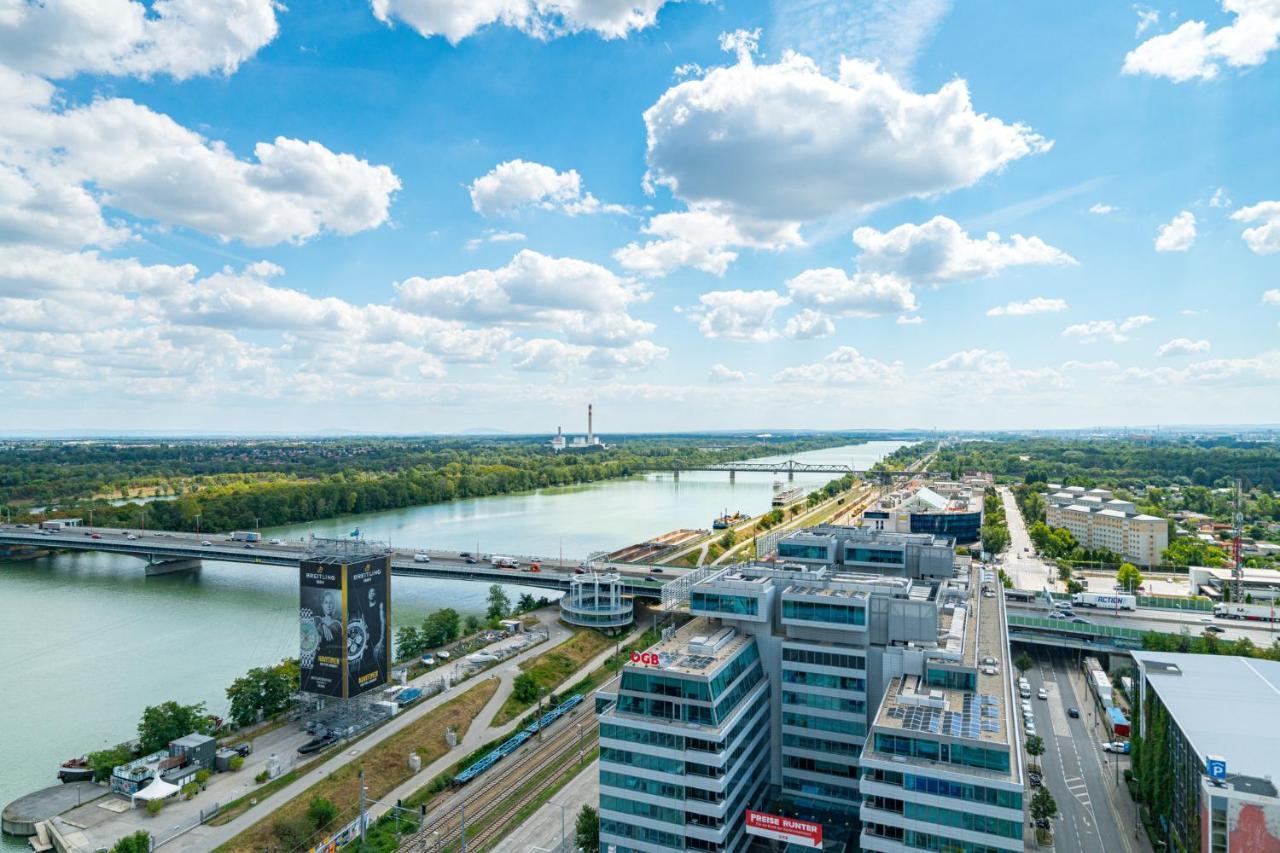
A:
<point x="1042" y="823"/>
<point x="1035" y="781"/>
<point x="1042" y="694"/>
<point x="428" y="660"/>
<point x="1073" y="711"/>
<point x="988" y="661"/>
<point x="1117" y="746"/>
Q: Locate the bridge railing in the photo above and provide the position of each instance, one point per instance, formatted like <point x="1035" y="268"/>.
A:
<point x="1065" y="626"/>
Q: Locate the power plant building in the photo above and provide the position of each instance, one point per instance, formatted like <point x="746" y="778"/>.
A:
<point x="821" y="704"/>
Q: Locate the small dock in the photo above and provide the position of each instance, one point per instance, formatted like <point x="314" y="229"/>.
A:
<point x="21" y="816"/>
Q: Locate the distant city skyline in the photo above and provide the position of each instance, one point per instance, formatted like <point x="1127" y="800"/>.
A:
<point x="422" y="217"/>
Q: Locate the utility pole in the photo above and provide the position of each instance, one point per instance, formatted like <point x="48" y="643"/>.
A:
<point x="462" y="822"/>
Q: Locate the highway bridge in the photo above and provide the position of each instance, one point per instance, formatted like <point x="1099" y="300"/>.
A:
<point x="164" y="552"/>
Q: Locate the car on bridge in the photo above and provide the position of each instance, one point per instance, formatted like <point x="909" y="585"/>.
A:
<point x="1073" y="712"/>
<point x="206" y="543"/>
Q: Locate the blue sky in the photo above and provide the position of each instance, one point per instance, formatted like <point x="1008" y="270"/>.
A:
<point x="420" y="215"/>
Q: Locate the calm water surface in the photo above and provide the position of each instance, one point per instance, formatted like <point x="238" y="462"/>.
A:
<point x="87" y="641"/>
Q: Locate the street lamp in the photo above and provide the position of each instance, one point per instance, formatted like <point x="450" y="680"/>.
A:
<point x="197" y="524"/>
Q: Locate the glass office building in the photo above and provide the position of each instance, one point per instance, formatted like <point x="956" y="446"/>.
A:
<point x="768" y="700"/>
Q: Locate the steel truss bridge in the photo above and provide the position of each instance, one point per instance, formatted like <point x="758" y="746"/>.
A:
<point x="791" y="467"/>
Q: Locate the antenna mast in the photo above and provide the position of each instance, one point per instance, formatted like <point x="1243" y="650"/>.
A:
<point x="1237" y="530"/>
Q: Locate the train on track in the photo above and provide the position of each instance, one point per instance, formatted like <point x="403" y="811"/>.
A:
<point x="518" y="739"/>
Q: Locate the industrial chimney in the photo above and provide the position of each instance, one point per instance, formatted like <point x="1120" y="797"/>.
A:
<point x="591" y="436"/>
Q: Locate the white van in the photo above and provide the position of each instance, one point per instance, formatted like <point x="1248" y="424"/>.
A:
<point x="421" y="558"/>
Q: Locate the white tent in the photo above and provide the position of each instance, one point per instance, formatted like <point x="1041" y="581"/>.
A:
<point x="157" y="790"/>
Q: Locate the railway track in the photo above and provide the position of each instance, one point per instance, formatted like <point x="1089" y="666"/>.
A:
<point x="493" y="830"/>
<point x="487" y="792"/>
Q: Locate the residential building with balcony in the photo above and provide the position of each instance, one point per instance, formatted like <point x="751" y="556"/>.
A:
<point x="1099" y="520"/>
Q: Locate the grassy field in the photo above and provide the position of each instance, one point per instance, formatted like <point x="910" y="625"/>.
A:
<point x="551" y="668"/>
<point x="385" y="766"/>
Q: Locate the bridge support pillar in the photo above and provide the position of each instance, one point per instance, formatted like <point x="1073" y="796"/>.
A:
<point x="169" y="567"/>
<point x="791" y="476"/>
<point x="675" y="475"/>
<point x="732" y="475"/>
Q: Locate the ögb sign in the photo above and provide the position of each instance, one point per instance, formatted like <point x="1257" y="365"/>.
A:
<point x="779" y="828"/>
<point x="646" y="658"/>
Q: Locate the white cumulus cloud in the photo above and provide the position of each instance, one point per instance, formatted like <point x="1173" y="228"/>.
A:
<point x="723" y="373"/>
<point x="863" y="294"/>
<point x="939" y="251"/>
<point x="116" y="153"/>
<point x="1112" y="330"/>
<point x="738" y="315"/>
<point x="1271" y="297"/>
<point x="1035" y="305"/>
<point x="1101" y="209"/>
<point x="809" y="324"/>
<point x="180" y="38"/>
<point x="844" y="366"/>
<point x="544" y="19"/>
<point x="1193" y="51"/>
<point x="515" y="185"/>
<point x="1178" y="235"/>
<point x="1182" y="346"/>
<point x="784" y="142"/>
<point x="699" y="239"/>
<point x="582" y="300"/>
<point x="1264" y="239"/>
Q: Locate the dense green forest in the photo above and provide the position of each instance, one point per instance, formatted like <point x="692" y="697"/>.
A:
<point x="1119" y="463"/>
<point x="229" y="484"/>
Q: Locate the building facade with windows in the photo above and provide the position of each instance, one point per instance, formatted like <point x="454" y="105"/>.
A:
<point x="1206" y="723"/>
<point x="945" y="509"/>
<point x="1099" y="520"/>
<point x="820" y="647"/>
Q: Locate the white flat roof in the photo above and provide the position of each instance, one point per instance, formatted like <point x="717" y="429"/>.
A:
<point x="1225" y="705"/>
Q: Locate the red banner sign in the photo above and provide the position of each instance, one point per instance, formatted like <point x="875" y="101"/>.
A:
<point x="781" y="828"/>
<point x="646" y="658"/>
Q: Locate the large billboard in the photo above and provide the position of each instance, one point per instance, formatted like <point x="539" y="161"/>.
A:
<point x="779" y="828"/>
<point x="344" y="615"/>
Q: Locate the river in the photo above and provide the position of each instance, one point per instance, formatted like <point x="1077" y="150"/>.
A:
<point x="88" y="640"/>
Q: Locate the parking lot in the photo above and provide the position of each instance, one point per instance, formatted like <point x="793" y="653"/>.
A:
<point x="1095" y="812"/>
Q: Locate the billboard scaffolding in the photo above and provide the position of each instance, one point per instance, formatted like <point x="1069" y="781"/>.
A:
<point x="344" y="617"/>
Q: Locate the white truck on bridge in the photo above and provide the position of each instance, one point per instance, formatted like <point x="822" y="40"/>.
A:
<point x="504" y="562"/>
<point x="1252" y="612"/>
<point x="246" y="536"/>
<point x="1115" y="601"/>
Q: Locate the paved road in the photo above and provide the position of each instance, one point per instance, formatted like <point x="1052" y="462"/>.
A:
<point x="1082" y="778"/>
<point x="209" y="837"/>
<point x="1020" y="561"/>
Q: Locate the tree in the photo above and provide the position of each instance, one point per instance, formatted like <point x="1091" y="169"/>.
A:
<point x="292" y="832"/>
<point x="1035" y="746"/>
<point x="409" y="642"/>
<point x="138" y="842"/>
<point x="525" y="688"/>
<point x="169" y="721"/>
<point x="728" y="539"/>
<point x="995" y="538"/>
<point x="441" y="628"/>
<point x="106" y="760"/>
<point x="499" y="604"/>
<point x="1129" y="577"/>
<point x="154" y="807"/>
<point x="473" y="623"/>
<point x="321" y="812"/>
<point x="262" y="692"/>
<point x="586" y="832"/>
<point x="1043" y="805"/>
<point x="1023" y="662"/>
<point x="526" y="603"/>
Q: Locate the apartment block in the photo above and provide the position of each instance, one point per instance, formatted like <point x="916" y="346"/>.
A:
<point x="1099" y="520"/>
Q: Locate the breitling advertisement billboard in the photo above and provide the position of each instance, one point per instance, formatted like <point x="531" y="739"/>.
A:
<point x="344" y="616"/>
